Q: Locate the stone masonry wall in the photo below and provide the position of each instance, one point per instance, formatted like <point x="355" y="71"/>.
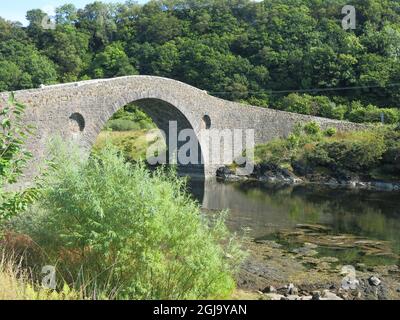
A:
<point x="80" y="110"/>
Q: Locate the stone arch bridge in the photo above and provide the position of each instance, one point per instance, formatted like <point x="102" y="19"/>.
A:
<point x="80" y="110"/>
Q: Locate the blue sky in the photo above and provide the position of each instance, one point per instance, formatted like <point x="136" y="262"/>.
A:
<point x="15" y="10"/>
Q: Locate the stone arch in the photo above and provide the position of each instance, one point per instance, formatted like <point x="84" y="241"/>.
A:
<point x="163" y="113"/>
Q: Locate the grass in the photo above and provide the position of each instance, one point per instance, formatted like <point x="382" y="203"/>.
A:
<point x="134" y="144"/>
<point x="16" y="284"/>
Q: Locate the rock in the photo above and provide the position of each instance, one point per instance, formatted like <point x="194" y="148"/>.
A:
<point x="350" y="283"/>
<point x="229" y="175"/>
<point x="274" y="174"/>
<point x="352" y="184"/>
<point x="344" y="294"/>
<point x="373" y="292"/>
<point x="283" y="290"/>
<point x="274" y="296"/>
<point x="332" y="182"/>
<point x="224" y="171"/>
<point x="362" y="185"/>
<point x="316" y="295"/>
<point x="301" y="168"/>
<point x="270" y="289"/>
<point x="374" y="281"/>
<point x="327" y="295"/>
<point x="291" y="297"/>
<point x="305" y="298"/>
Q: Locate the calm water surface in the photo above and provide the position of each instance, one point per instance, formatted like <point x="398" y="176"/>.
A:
<point x="266" y="210"/>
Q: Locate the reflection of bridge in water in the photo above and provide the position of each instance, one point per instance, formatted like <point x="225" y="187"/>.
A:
<point x="80" y="110"/>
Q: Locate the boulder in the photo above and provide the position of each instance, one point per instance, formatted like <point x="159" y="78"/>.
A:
<point x="374" y="281"/>
<point x="327" y="295"/>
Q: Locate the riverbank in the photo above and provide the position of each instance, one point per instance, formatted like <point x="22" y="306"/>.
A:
<point x="365" y="159"/>
<point x="275" y="175"/>
<point x="275" y="271"/>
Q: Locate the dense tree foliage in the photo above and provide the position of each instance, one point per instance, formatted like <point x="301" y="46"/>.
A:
<point x="257" y="52"/>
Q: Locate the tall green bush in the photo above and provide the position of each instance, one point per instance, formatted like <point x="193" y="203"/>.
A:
<point x="122" y="125"/>
<point x="131" y="231"/>
<point x="323" y="106"/>
<point x="357" y="151"/>
<point x="374" y="114"/>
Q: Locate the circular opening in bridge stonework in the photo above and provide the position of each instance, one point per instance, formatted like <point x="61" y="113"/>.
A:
<point x="76" y="123"/>
<point x="206" y="122"/>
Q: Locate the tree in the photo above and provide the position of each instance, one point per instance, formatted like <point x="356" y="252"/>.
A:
<point x="24" y="66"/>
<point x="112" y="62"/>
<point x="35" y="29"/>
<point x="97" y="19"/>
<point x="10" y="75"/>
<point x="66" y="14"/>
<point x="69" y="49"/>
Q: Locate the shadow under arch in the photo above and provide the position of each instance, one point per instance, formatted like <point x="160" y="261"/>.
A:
<point x="162" y="113"/>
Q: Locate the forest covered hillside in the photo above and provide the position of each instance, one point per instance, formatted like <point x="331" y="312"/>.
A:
<point x="287" y="54"/>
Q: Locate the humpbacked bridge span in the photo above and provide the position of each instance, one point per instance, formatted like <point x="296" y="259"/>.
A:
<point x="80" y="110"/>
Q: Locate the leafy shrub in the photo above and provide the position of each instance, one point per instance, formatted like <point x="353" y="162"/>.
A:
<point x="374" y="114"/>
<point x="276" y="152"/>
<point x="330" y="132"/>
<point x="312" y="105"/>
<point x="297" y="103"/>
<point x="135" y="115"/>
<point x="323" y="106"/>
<point x="14" y="157"/>
<point x="130" y="231"/>
<point x="357" y="151"/>
<point x="312" y="128"/>
<point x="283" y="151"/>
<point x="122" y="125"/>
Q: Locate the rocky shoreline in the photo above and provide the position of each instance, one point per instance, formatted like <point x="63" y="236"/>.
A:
<point x="275" y="272"/>
<point x="273" y="174"/>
